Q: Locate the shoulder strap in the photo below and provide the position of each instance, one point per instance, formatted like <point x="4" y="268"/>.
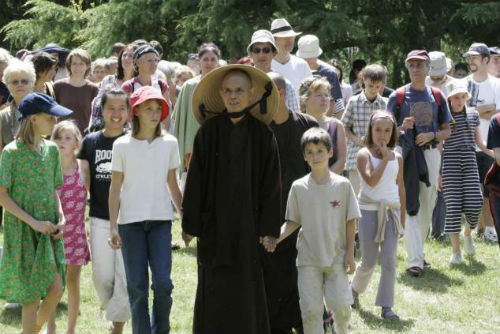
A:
<point x="437" y="96"/>
<point x="400" y="97"/>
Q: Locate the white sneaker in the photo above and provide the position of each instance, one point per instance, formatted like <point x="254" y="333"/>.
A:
<point x="490" y="235"/>
<point x="456" y="258"/>
<point x="469" y="248"/>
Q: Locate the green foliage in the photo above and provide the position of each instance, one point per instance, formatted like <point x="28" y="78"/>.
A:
<point x="378" y="31"/>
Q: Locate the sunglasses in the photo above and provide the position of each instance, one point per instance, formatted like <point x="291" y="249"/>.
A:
<point x="16" y="82"/>
<point x="264" y="50"/>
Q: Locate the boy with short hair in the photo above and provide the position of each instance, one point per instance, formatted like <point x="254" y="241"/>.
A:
<point x="324" y="206"/>
<point x="357" y="114"/>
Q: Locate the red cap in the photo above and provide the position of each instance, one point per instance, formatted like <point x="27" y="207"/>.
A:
<point x="417" y="54"/>
<point x="148" y="93"/>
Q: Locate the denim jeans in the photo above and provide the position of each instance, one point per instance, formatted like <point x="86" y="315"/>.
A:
<point x="143" y="243"/>
<point x="495" y="206"/>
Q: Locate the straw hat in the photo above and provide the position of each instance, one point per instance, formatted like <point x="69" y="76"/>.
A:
<point x="207" y="101"/>
<point x="281" y="28"/>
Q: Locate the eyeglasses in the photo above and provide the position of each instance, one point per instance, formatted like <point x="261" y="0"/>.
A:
<point x="23" y="82"/>
<point x="264" y="50"/>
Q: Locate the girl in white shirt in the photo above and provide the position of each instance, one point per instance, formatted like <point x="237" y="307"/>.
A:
<point x="143" y="184"/>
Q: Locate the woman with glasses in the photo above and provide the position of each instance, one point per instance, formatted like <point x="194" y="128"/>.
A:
<point x="76" y="92"/>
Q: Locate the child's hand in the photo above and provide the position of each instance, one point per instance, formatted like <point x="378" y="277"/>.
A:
<point x="349" y="264"/>
<point x="269" y="243"/>
<point x="408" y="123"/>
<point x="440" y="183"/>
<point x="187" y="238"/>
<point x="44" y="227"/>
<point x="114" y="241"/>
<point x="384" y="151"/>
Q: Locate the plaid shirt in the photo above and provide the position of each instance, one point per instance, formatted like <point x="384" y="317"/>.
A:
<point x="356" y="118"/>
<point x="291" y="98"/>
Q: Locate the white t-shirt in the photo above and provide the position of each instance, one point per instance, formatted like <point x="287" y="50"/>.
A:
<point x="442" y="85"/>
<point x="485" y="92"/>
<point x="295" y="70"/>
<point x="323" y="211"/>
<point x="145" y="166"/>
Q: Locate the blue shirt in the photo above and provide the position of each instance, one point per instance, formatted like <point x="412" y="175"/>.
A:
<point x="422" y="106"/>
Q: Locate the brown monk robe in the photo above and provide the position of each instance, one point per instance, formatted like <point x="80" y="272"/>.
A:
<point x="232" y="200"/>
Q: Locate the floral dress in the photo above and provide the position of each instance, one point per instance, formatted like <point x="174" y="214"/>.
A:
<point x="30" y="259"/>
<point x="73" y="196"/>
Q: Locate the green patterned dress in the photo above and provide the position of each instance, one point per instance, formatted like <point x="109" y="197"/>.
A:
<point x="30" y="259"/>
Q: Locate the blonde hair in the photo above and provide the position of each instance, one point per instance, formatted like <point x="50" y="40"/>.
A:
<point x="83" y="55"/>
<point x="183" y="69"/>
<point x="99" y="62"/>
<point x="309" y="86"/>
<point x="19" y="67"/>
<point x="67" y="125"/>
<point x="25" y="132"/>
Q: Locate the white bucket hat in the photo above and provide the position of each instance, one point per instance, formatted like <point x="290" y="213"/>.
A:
<point x="438" y="65"/>
<point x="262" y="36"/>
<point x="308" y="47"/>
<point x="281" y="28"/>
<point x="457" y="87"/>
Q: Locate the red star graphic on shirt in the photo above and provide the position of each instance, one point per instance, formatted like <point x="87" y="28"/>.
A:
<point x="335" y="204"/>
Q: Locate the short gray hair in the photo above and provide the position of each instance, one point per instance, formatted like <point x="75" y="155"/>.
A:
<point x="17" y="66"/>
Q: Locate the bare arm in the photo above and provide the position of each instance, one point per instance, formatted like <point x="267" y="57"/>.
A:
<point x="353" y="137"/>
<point x="350" y="232"/>
<point x="486" y="111"/>
<point x="370" y="176"/>
<point x="85" y="172"/>
<point x="174" y="190"/>
<point x="401" y="189"/>
<point x="338" y="166"/>
<point x="286" y="229"/>
<point x="114" y="203"/>
<point x="481" y="144"/>
<point x="61" y="221"/>
<point x="496" y="151"/>
<point x="8" y="204"/>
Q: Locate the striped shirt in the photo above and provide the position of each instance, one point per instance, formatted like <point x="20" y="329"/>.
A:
<point x="356" y="118"/>
<point x="463" y="131"/>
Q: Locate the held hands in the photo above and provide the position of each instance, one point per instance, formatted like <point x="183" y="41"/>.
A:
<point x="61" y="224"/>
<point x="349" y="264"/>
<point x="187" y="238"/>
<point x="114" y="241"/>
<point x="424" y="138"/>
<point x="44" y="227"/>
<point x="269" y="243"/>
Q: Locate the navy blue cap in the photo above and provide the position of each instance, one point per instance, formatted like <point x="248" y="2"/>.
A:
<point x="35" y="103"/>
<point x="477" y="49"/>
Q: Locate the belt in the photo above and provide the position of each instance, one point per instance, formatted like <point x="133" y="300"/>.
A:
<point x="428" y="146"/>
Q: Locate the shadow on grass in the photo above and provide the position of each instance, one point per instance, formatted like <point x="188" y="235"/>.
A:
<point x="431" y="280"/>
<point x="375" y="322"/>
<point x="12" y="316"/>
<point x="470" y="267"/>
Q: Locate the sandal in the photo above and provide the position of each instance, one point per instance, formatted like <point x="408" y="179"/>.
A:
<point x="414" y="271"/>
<point x="388" y="313"/>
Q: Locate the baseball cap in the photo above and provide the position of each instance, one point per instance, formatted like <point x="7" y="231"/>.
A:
<point x="35" y="103"/>
<point x="144" y="94"/>
<point x="494" y="50"/>
<point x="477" y="49"/>
<point x="418" y="55"/>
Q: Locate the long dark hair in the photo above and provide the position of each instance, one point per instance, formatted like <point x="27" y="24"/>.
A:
<point x="120" y="75"/>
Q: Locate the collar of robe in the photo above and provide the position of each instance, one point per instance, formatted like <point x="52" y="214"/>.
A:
<point x="262" y="103"/>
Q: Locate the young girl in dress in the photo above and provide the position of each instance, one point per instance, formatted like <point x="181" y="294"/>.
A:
<point x="315" y="99"/>
<point x="32" y="265"/>
<point x="459" y="177"/>
<point x="382" y="199"/>
<point x="143" y="184"/>
<point x="73" y="197"/>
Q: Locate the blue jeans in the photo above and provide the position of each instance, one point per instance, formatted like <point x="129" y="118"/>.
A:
<point x="143" y="243"/>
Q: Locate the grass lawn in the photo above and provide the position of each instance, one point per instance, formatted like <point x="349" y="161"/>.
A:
<point x="460" y="299"/>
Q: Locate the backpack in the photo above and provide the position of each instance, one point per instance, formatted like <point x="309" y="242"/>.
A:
<point x="400" y="97"/>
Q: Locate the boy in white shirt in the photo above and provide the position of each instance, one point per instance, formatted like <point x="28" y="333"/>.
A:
<point x="324" y="206"/>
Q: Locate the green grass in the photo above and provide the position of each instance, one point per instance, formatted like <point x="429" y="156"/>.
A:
<point x="460" y="299"/>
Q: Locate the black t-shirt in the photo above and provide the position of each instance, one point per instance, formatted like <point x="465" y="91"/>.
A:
<point x="494" y="133"/>
<point x="97" y="150"/>
<point x="288" y="135"/>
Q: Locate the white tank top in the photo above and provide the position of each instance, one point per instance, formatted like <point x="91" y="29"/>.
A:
<point x="387" y="187"/>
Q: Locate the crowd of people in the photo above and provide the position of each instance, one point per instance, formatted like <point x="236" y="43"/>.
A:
<point x="276" y="166"/>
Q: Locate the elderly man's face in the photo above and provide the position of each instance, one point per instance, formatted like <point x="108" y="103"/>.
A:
<point x="285" y="44"/>
<point x="262" y="54"/>
<point x="417" y="69"/>
<point x="236" y="91"/>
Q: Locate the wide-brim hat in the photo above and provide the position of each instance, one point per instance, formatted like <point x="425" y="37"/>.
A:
<point x="144" y="94"/>
<point x="281" y="28"/>
<point x="262" y="36"/>
<point x="438" y="64"/>
<point x="207" y="101"/>
<point x="457" y="87"/>
<point x="308" y="47"/>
